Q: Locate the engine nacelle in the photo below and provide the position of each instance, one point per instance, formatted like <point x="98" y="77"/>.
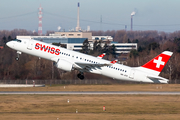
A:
<point x="64" y="65"/>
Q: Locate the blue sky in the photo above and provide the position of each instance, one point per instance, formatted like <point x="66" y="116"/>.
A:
<point x="161" y="15"/>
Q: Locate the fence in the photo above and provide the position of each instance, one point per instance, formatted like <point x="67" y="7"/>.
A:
<point x="92" y="81"/>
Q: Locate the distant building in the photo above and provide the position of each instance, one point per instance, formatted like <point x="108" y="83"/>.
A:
<point x="124" y="47"/>
<point x="54" y="39"/>
<point x="120" y="47"/>
<point x="74" y="34"/>
<point x="74" y="40"/>
<point x="103" y="38"/>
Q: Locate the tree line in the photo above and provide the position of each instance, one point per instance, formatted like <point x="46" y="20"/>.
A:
<point x="98" y="48"/>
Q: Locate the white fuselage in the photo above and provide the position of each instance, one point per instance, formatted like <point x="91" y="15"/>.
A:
<point x="51" y="52"/>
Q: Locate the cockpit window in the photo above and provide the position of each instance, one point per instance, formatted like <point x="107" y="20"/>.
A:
<point x="17" y="40"/>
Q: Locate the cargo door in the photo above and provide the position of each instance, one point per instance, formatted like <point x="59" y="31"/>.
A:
<point x="132" y="74"/>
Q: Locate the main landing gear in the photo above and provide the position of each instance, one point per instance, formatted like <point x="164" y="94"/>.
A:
<point x="18" y="53"/>
<point x="80" y="75"/>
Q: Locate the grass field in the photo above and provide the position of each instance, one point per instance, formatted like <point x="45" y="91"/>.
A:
<point x="90" y="107"/>
<point x="123" y="87"/>
<point x="51" y="107"/>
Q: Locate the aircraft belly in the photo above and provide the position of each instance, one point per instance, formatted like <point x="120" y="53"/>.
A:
<point x="114" y="74"/>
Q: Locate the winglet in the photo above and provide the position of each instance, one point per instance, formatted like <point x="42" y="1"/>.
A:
<point x="114" y="61"/>
<point x="101" y="56"/>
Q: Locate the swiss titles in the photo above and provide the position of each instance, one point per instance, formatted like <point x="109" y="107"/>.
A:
<point x="46" y="48"/>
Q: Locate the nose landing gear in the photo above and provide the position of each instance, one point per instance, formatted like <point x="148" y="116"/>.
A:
<point x="18" y="53"/>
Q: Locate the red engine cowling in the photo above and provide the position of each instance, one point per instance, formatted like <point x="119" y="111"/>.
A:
<point x="64" y="65"/>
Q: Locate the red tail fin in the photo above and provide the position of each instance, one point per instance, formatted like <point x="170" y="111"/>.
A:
<point x="158" y="63"/>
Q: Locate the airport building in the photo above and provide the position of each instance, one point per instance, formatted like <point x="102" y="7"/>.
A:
<point x="74" y="34"/>
<point x="54" y="39"/>
<point x="74" y="40"/>
<point x="120" y="47"/>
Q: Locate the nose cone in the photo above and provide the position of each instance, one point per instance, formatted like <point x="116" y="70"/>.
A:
<point x="9" y="44"/>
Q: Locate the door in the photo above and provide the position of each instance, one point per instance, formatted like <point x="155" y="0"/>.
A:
<point x="132" y="74"/>
<point x="30" y="44"/>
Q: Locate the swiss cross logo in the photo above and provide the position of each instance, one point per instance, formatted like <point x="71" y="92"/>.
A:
<point x="114" y="61"/>
<point x="101" y="55"/>
<point x="159" y="62"/>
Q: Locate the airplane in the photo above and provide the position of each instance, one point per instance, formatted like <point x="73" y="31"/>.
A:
<point x="69" y="60"/>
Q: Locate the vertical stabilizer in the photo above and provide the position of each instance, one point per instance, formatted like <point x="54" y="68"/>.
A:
<point x="156" y="65"/>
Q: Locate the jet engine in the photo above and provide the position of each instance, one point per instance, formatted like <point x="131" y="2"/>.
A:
<point x="64" y="65"/>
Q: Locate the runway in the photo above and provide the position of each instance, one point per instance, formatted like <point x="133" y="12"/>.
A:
<point x="86" y="93"/>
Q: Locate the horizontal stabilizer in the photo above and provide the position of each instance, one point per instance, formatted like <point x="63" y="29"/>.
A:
<point x="157" y="78"/>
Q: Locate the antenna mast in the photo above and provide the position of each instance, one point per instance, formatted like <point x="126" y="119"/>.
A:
<point x="40" y="21"/>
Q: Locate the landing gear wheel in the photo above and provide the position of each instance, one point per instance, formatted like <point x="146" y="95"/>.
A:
<point x="18" y="53"/>
<point x="17" y="58"/>
<point x="80" y="76"/>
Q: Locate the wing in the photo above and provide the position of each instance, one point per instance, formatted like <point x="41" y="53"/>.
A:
<point x="90" y="66"/>
<point x="93" y="66"/>
<point x="84" y="66"/>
